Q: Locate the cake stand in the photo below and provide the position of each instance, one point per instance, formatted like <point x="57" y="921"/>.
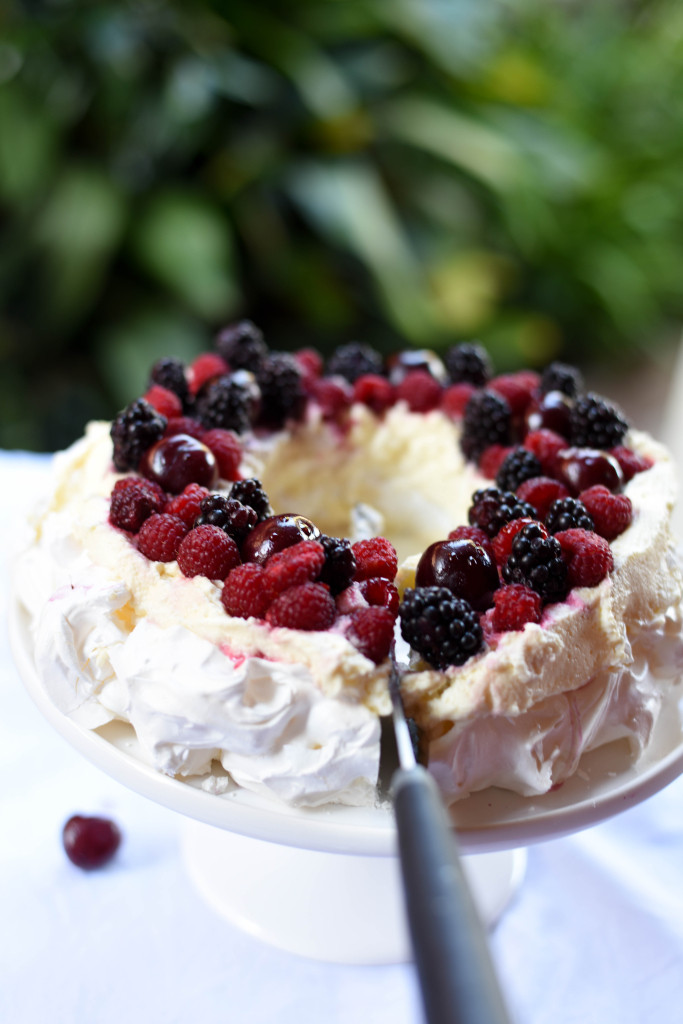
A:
<point x="325" y="883"/>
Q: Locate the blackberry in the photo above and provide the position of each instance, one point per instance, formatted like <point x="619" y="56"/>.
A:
<point x="242" y="346"/>
<point x="519" y="465"/>
<point x="442" y="628"/>
<point x="135" y="429"/>
<point x="283" y="396"/>
<point x="487" y="421"/>
<point x="170" y="374"/>
<point x="492" y="509"/>
<point x="340" y="563"/>
<point x="353" y="361"/>
<point x="231" y="515"/>
<point x="250" y="492"/>
<point x="468" y="363"/>
<point x="596" y="423"/>
<point x="568" y="514"/>
<point x="561" y="377"/>
<point x="536" y="561"/>
<point x="225" y="402"/>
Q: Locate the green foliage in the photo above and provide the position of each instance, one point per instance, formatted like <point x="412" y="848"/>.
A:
<point x="408" y="173"/>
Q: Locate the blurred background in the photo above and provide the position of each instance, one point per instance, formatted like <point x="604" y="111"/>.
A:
<point x="402" y="172"/>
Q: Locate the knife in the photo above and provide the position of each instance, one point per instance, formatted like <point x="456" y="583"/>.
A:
<point x="456" y="973"/>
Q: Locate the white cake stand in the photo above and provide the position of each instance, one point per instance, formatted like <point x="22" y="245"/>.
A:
<point x="325" y="883"/>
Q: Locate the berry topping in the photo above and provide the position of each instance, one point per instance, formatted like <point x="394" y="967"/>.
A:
<point x="282" y="390"/>
<point x="228" y="452"/>
<point x="133" y="500"/>
<point x="536" y="561"/>
<point x="375" y="557"/>
<point x="519" y="465"/>
<point x="371" y="631"/>
<point x="475" y="534"/>
<point x="561" y="377"/>
<point x="491" y="509"/>
<point x="308" y="606"/>
<point x="166" y="403"/>
<point x="468" y="363"/>
<point x="246" y="592"/>
<point x="229" y="515"/>
<point x="227" y="402"/>
<point x="207" y="551"/>
<point x="551" y="412"/>
<point x="462" y="566"/>
<point x="630" y="462"/>
<point x="596" y="423"/>
<point x="454" y="399"/>
<point x="134" y="430"/>
<point x="186" y="505"/>
<point x="340" y="563"/>
<point x="333" y="395"/>
<point x="492" y="458"/>
<point x="546" y="446"/>
<point x="411" y="359"/>
<point x="300" y="563"/>
<point x="568" y="514"/>
<point x="374" y="391"/>
<point x="90" y="842"/>
<point x="581" y="468"/>
<point x="517" y="389"/>
<point x="169" y="373"/>
<point x="205" y="368"/>
<point x="541" y="492"/>
<point x="241" y="345"/>
<point x="160" y="536"/>
<point x="487" y="421"/>
<point x="611" y="513"/>
<point x="442" y="628"/>
<point x="174" y="462"/>
<point x="588" y="557"/>
<point x="311" y="364"/>
<point x="379" y="592"/>
<point x="502" y="542"/>
<point x="353" y="361"/>
<point x="275" y="534"/>
<point x="513" y="606"/>
<point x="184" y="425"/>
<point x="250" y="492"/>
<point x="420" y="390"/>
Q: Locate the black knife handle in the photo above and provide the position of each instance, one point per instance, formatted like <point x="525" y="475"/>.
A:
<point x="457" y="978"/>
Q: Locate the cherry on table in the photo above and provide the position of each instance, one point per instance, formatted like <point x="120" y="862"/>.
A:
<point x="461" y="565"/>
<point x="275" y="534"/>
<point x="179" y="460"/>
<point x="90" y="842"/>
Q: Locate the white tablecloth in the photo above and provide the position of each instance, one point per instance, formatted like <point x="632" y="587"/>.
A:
<point x="595" y="934"/>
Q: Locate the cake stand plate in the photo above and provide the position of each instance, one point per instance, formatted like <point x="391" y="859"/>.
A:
<point x="324" y="883"/>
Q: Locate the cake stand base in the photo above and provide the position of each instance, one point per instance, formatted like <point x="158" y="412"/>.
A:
<point x="339" y="908"/>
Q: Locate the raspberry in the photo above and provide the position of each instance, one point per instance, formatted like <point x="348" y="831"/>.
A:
<point x="340" y="563"/>
<point x="611" y="513"/>
<point x="207" y="551"/>
<point x="560" y="377"/>
<point x="251" y="493"/>
<point x="442" y="628"/>
<point x="381" y="593"/>
<point x="226" y="402"/>
<point x="519" y="465"/>
<point x="491" y="509"/>
<point x="375" y="557"/>
<point x="536" y="561"/>
<point x="454" y="399"/>
<point x="541" y="492"/>
<point x="487" y="421"/>
<point x="353" y="361"/>
<point x="308" y="606"/>
<point x="300" y="563"/>
<point x="206" y="367"/>
<point x="229" y="515"/>
<point x="90" y="842"/>
<point x="630" y="462"/>
<point x="242" y="347"/>
<point x="546" y="446"/>
<point x="516" y="388"/>
<point x="568" y="514"/>
<point x="588" y="557"/>
<point x="133" y="500"/>
<point x="186" y="505"/>
<point x="227" y="449"/>
<point x="135" y="429"/>
<point x="164" y="401"/>
<point x="502" y="542"/>
<point x="514" y="606"/>
<point x="371" y="631"/>
<point x="333" y="395"/>
<point x="170" y="373"/>
<point x="311" y="364"/>
<point x="420" y="390"/>
<point x="160" y="536"/>
<point x="184" y="425"/>
<point x="282" y="390"/>
<point x="475" y="534"/>
<point x="469" y="363"/>
<point x="492" y="458"/>
<point x="246" y="593"/>
<point x="596" y="423"/>
<point x="374" y="391"/>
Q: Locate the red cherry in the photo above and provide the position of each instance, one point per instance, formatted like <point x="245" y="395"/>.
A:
<point x="550" y="412"/>
<point x="461" y="565"/>
<point x="275" y="534"/>
<point x="405" y="362"/>
<point x="174" y="462"/>
<point x="581" y="468"/>
<point x="90" y="842"/>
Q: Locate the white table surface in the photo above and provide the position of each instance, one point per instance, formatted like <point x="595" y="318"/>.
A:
<point x="594" y="935"/>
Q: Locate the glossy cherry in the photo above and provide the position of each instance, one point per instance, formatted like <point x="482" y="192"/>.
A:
<point x="550" y="412"/>
<point x="90" y="842"/>
<point x="174" y="462"/>
<point x="461" y="565"/>
<point x="416" y="359"/>
<point x="581" y="468"/>
<point x="275" y="534"/>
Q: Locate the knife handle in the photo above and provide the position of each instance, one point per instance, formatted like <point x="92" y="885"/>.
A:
<point x="457" y="978"/>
